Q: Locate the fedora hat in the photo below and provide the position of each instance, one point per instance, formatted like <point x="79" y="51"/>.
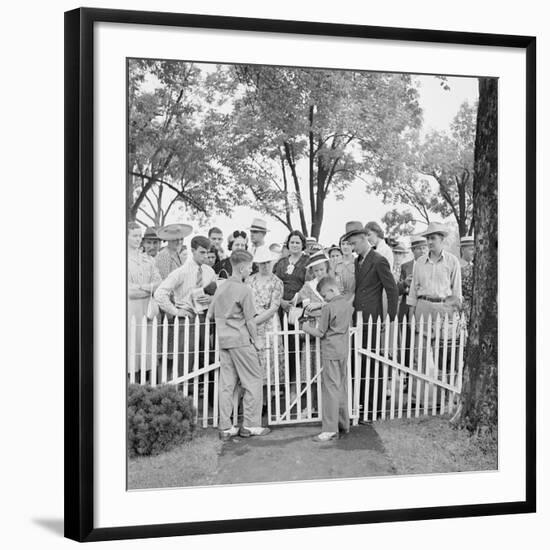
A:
<point x="353" y="228"/>
<point x="436" y="227"/>
<point x="151" y="233"/>
<point x="174" y="231"/>
<point x="418" y="240"/>
<point x="468" y="240"/>
<point x="258" y="225"/>
<point x="263" y="255"/>
<point x="317" y="258"/>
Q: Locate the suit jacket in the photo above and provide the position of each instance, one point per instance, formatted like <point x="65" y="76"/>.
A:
<point x="403" y="288"/>
<point x="371" y="277"/>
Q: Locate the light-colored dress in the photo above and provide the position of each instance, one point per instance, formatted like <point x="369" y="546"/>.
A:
<point x="267" y="293"/>
<point x="141" y="271"/>
<point x="344" y="272"/>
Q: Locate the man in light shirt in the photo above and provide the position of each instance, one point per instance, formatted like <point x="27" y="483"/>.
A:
<point x="258" y="230"/>
<point x="182" y="294"/>
<point x="436" y="289"/>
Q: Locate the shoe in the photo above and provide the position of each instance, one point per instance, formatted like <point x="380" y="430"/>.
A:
<point x="226" y="435"/>
<point x="325" y="436"/>
<point x="342" y="430"/>
<point x="247" y="432"/>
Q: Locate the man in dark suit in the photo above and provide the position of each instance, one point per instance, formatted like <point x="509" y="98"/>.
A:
<point x="372" y="276"/>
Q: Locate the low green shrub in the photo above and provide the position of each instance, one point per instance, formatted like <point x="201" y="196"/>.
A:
<point x="159" y="419"/>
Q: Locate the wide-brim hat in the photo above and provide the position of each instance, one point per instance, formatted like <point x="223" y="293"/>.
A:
<point x="436" y="227"/>
<point x="468" y="240"/>
<point x="311" y="240"/>
<point x="316" y="259"/>
<point x="174" y="231"/>
<point x="276" y="248"/>
<point x="353" y="228"/>
<point x="258" y="225"/>
<point x="400" y="248"/>
<point x="418" y="240"/>
<point x="263" y="255"/>
<point x="151" y="233"/>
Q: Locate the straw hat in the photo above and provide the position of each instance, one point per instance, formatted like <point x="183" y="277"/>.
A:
<point x="467" y="241"/>
<point x="418" y="240"/>
<point x="174" y="231"/>
<point x="263" y="255"/>
<point x="400" y="248"/>
<point x="436" y="227"/>
<point x="316" y="259"/>
<point x="353" y="228"/>
<point x="258" y="225"/>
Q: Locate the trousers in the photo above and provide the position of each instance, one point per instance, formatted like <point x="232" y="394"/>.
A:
<point x="240" y="364"/>
<point x="334" y="386"/>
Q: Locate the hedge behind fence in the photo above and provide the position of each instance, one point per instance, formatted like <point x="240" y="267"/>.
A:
<point x="159" y="418"/>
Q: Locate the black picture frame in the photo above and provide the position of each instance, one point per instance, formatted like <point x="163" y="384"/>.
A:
<point x="79" y="272"/>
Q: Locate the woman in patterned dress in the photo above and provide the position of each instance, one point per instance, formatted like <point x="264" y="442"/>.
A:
<point x="267" y="290"/>
<point x="143" y="279"/>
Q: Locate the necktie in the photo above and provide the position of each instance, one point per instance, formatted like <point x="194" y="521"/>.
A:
<point x="199" y="277"/>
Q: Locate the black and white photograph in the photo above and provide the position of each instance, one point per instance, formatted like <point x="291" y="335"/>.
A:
<point x="312" y="273"/>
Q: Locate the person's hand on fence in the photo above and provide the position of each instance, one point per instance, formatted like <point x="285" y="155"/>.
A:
<point x="285" y="304"/>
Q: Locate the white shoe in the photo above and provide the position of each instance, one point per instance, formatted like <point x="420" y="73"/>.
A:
<point x="255" y="430"/>
<point x="325" y="436"/>
<point x="229" y="433"/>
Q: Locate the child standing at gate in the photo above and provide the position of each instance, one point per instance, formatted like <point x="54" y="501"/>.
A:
<point x="333" y="330"/>
<point x="234" y="311"/>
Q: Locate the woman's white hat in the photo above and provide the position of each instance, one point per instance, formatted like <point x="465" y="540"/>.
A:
<point x="263" y="255"/>
<point x="317" y="258"/>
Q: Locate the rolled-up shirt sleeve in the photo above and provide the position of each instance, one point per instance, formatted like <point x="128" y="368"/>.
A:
<point x="165" y="289"/>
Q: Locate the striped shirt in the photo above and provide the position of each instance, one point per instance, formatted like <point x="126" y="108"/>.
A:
<point x="179" y="284"/>
<point x="439" y="279"/>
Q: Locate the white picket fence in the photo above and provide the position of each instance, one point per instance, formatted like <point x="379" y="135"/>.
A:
<point x="417" y="364"/>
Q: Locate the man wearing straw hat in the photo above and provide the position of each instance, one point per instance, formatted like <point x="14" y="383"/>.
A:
<point x="436" y="287"/>
<point x="258" y="230"/>
<point x="372" y="276"/>
<point x="172" y="256"/>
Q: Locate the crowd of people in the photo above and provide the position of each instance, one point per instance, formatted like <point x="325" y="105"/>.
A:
<point x="246" y="284"/>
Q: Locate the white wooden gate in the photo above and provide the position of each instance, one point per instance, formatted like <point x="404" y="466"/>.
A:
<point x="418" y="366"/>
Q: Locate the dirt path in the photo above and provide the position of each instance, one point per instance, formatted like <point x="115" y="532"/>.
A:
<point x="289" y="454"/>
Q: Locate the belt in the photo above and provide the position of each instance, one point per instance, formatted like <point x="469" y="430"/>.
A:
<point x="430" y="299"/>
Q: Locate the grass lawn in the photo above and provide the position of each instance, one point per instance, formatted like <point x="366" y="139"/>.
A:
<point x="193" y="463"/>
<point x="430" y="445"/>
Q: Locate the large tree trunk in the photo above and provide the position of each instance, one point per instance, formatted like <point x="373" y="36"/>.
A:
<point x="479" y="397"/>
